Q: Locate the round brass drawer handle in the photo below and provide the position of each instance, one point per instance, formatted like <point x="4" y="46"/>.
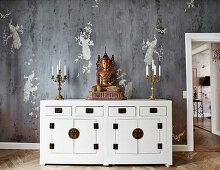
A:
<point x="137" y="133"/>
<point x="74" y="133"/>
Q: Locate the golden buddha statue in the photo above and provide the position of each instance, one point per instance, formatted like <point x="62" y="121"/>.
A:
<point x="106" y="88"/>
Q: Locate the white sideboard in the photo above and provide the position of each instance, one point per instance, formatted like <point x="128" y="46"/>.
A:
<point x="81" y="131"/>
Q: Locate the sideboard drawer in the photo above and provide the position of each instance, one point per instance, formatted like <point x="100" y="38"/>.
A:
<point x="59" y="111"/>
<point x="153" y="111"/>
<point x="121" y="111"/>
<point x="89" y="111"/>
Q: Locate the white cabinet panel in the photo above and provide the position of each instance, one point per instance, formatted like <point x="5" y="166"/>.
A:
<point x="124" y="111"/>
<point x="126" y="142"/>
<point x="149" y="142"/>
<point x="153" y="111"/>
<point x="58" y="111"/>
<point x="87" y="136"/>
<point x="62" y="142"/>
<point x="89" y="111"/>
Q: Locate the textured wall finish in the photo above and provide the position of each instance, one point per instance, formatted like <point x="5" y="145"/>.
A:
<point x="35" y="34"/>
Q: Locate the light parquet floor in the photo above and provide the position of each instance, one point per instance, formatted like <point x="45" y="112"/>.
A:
<point x="29" y="160"/>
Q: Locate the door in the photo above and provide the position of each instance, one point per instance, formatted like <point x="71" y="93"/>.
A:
<point x="151" y="137"/>
<point x="215" y="89"/>
<point x="74" y="136"/>
<point x="145" y="136"/>
<point x="126" y="142"/>
<point x="87" y="137"/>
<point x="60" y="139"/>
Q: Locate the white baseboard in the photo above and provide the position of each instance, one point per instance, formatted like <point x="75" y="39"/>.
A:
<point x="12" y="145"/>
<point x="216" y="133"/>
<point x="177" y="148"/>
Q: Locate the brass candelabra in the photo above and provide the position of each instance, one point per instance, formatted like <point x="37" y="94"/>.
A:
<point x="60" y="80"/>
<point x="153" y="79"/>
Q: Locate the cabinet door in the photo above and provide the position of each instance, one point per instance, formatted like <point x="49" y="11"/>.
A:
<point x="87" y="136"/>
<point x="149" y="142"/>
<point x="60" y="138"/>
<point x="126" y="142"/>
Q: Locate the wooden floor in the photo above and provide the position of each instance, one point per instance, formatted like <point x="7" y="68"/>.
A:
<point x="29" y="160"/>
<point x="203" y="123"/>
<point x="204" y="140"/>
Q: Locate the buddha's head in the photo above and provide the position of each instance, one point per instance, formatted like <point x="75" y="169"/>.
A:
<point x="105" y="63"/>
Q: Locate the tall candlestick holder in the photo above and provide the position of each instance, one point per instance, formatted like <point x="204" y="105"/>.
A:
<point x="60" y="80"/>
<point x="153" y="79"/>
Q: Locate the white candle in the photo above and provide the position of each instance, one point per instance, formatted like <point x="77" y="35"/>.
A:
<point x="159" y="70"/>
<point x="152" y="64"/>
<point x="52" y="71"/>
<point x="147" y="70"/>
<point x="57" y="70"/>
<point x="155" y="70"/>
<point x="59" y="65"/>
<point x="64" y="70"/>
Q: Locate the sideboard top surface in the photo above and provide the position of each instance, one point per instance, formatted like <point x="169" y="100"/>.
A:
<point x="109" y="100"/>
<point x="104" y="102"/>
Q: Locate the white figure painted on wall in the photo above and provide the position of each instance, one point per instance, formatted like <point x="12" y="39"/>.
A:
<point x="150" y="48"/>
<point x="122" y="82"/>
<point x="14" y="30"/>
<point x="30" y="88"/>
<point x="85" y="42"/>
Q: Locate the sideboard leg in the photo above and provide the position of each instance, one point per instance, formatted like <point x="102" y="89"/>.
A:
<point x="167" y="165"/>
<point x="42" y="164"/>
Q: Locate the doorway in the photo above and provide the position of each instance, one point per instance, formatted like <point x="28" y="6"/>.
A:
<point x="203" y="66"/>
<point x="203" y="38"/>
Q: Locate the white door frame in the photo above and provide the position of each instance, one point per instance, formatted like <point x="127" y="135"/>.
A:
<point x="189" y="37"/>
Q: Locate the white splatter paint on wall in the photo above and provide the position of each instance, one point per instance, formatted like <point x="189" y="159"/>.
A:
<point x="128" y="90"/>
<point x="122" y="82"/>
<point x="190" y="4"/>
<point x="86" y="69"/>
<point x="78" y="75"/>
<point x="29" y="88"/>
<point x="14" y="30"/>
<point x="85" y="42"/>
<point x="159" y="29"/>
<point x="120" y="77"/>
<point x="30" y="61"/>
<point x="31" y="114"/>
<point x="150" y="48"/>
<point x="96" y="4"/>
<point x="3" y="16"/>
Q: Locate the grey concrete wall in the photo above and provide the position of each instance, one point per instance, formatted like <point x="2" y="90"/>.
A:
<point x="76" y="31"/>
